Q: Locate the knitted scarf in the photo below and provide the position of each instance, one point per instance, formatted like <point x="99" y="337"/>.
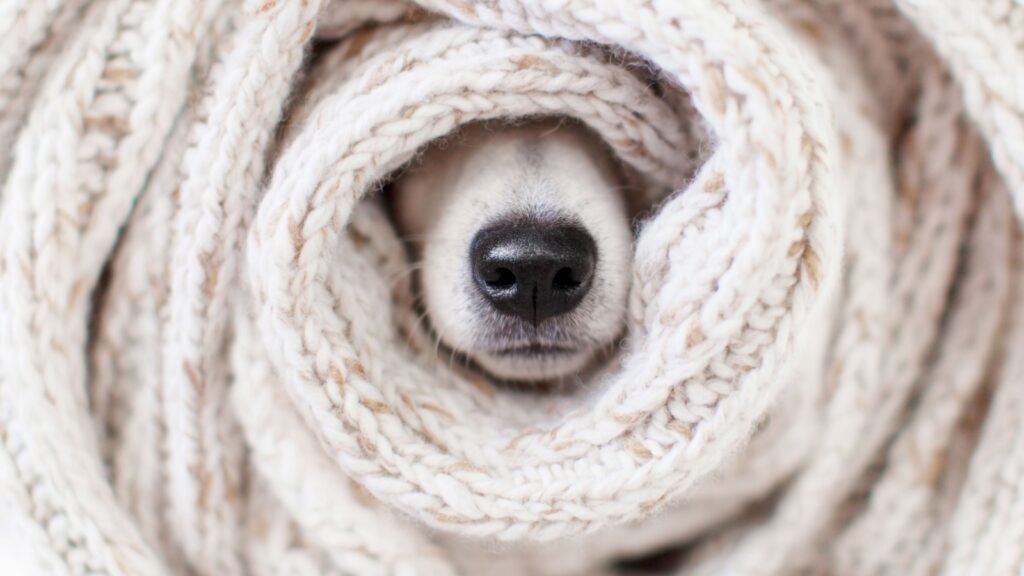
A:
<point x="211" y="362"/>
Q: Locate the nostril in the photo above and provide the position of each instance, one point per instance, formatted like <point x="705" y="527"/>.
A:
<point x="501" y="278"/>
<point x="566" y="279"/>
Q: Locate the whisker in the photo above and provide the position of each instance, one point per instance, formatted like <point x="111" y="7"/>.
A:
<point x="415" y="329"/>
<point x="411" y="269"/>
<point x="411" y="238"/>
<point x="437" y="346"/>
<point x="451" y="359"/>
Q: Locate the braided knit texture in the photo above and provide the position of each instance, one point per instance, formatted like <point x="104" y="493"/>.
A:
<point x="211" y="361"/>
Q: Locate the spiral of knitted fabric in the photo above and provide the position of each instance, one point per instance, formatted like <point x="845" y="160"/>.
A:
<point x="211" y="360"/>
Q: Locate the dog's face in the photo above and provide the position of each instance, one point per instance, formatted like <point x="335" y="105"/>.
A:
<point x="522" y="246"/>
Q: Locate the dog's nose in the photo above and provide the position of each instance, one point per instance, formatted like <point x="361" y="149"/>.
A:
<point x="534" y="271"/>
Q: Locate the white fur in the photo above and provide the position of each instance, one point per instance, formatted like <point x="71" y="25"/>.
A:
<point x="488" y="173"/>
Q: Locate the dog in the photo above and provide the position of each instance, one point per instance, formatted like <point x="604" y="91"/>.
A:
<point x="522" y="245"/>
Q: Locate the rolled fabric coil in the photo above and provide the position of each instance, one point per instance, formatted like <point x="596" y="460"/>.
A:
<point x="212" y="362"/>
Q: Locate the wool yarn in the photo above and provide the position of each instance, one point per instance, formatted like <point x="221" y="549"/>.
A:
<point x="211" y="362"/>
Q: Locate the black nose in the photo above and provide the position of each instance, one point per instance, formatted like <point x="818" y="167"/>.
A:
<point x="533" y="270"/>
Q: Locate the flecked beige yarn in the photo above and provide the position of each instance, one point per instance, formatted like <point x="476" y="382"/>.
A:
<point x="211" y="363"/>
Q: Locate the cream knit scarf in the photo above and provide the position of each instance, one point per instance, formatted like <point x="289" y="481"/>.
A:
<point x="210" y="363"/>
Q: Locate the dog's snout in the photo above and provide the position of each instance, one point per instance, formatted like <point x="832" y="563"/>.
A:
<point x="534" y="271"/>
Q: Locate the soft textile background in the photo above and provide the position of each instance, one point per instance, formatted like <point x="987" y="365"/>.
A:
<point x="210" y="360"/>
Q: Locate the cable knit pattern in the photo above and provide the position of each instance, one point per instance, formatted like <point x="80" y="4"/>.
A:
<point x="212" y="363"/>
